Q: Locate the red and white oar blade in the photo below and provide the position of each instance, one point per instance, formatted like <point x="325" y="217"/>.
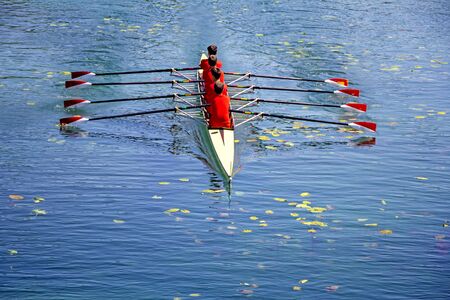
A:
<point x="368" y="126"/>
<point x="351" y="92"/>
<point x="337" y="81"/>
<point x="76" y="83"/>
<point x="75" y="103"/>
<point x="359" y="107"/>
<point x="71" y="120"/>
<point x="81" y="73"/>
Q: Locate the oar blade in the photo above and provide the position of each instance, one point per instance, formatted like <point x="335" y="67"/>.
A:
<point x="337" y="81"/>
<point x="351" y="92"/>
<point x="81" y="73"/>
<point x="76" y="83"/>
<point x="359" y="107"/>
<point x="71" y="120"/>
<point x="368" y="126"/>
<point x="75" y="102"/>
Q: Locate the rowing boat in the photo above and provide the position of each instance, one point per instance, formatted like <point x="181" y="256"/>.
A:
<point x="217" y="143"/>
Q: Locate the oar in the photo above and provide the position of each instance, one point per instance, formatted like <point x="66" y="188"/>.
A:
<point x="337" y="81"/>
<point x="76" y="119"/>
<point x="83" y="73"/>
<point x="79" y="83"/>
<point x="351" y="92"/>
<point x="370" y="126"/>
<point x="359" y="107"/>
<point x="80" y="102"/>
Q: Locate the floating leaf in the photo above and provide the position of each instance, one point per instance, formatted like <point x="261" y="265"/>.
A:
<point x="38" y="199"/>
<point x="259" y="34"/>
<point x="316" y="210"/>
<point x="236" y="141"/>
<point x="420" y="117"/>
<point x="386" y="231"/>
<point x="172" y="210"/>
<point x="383" y="202"/>
<point x="269" y="212"/>
<point x="247" y="230"/>
<point x="294" y="214"/>
<point x="263" y="224"/>
<point x="156" y="197"/>
<point x="312" y="230"/>
<point x="16" y="197"/>
<point x="195" y="295"/>
<point x="185" y="211"/>
<point x="184" y="179"/>
<point x="293" y="203"/>
<point x="163" y="183"/>
<point x="441" y="113"/>
<point x="296" y="288"/>
<point x="371" y="225"/>
<point x="279" y="199"/>
<point x="305" y="194"/>
<point x="39" y="212"/>
<point x="118" y="221"/>
<point x="421" y="178"/>
<point x="13" y="252"/>
<point x="253" y="218"/>
<point x="271" y="147"/>
<point x="66" y="73"/>
<point x="362" y="220"/>
<point x="391" y="69"/>
<point x="212" y="191"/>
<point x="303" y="281"/>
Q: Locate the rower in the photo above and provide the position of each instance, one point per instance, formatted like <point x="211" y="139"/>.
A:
<point x="217" y="74"/>
<point x="212" y="50"/>
<point x="206" y="65"/>
<point x="219" y="110"/>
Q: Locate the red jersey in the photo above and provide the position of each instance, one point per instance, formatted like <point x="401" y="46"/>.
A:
<point x="207" y="76"/>
<point x="219" y="111"/>
<point x="210" y="93"/>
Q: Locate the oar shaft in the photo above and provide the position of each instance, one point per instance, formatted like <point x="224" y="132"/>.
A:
<point x="149" y="112"/>
<point x="147" y="71"/>
<point x="273" y="77"/>
<point x="285" y="102"/>
<point x="146" y="98"/>
<point x="288" y="117"/>
<point x="147" y="82"/>
<point x="256" y="87"/>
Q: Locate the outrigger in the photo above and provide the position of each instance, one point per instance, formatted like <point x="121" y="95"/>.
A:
<point x="218" y="144"/>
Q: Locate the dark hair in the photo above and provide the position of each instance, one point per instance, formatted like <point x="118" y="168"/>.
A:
<point x="216" y="72"/>
<point x="212" y="60"/>
<point x="212" y="49"/>
<point x="218" y="87"/>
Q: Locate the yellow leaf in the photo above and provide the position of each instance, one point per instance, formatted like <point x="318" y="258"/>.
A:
<point x="213" y="191"/>
<point x="371" y="224"/>
<point x="279" y="199"/>
<point x="195" y="295"/>
<point x="420" y="117"/>
<point x="247" y="230"/>
<point x="303" y="281"/>
<point x="13" y="252"/>
<point x="259" y="34"/>
<point x="421" y="178"/>
<point x="172" y="210"/>
<point x="312" y="230"/>
<point x="253" y="218"/>
<point x="185" y="211"/>
<point x="305" y="194"/>
<point x="163" y="183"/>
<point x="293" y="214"/>
<point x="39" y="212"/>
<point x="292" y="203"/>
<point x="117" y="221"/>
<point x="269" y="212"/>
<point x="296" y="288"/>
<point x="441" y="112"/>
<point x="271" y="147"/>
<point x="391" y="69"/>
<point x="263" y="224"/>
<point x="184" y="179"/>
<point x="16" y="197"/>
<point x="316" y="209"/>
<point x="236" y="141"/>
<point x="264" y="138"/>
<point x="386" y="231"/>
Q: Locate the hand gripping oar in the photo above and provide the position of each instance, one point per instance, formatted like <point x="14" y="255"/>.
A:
<point x="80" y="102"/>
<point x="79" y="83"/>
<point x="359" y="107"/>
<point x="351" y="92"/>
<point x="76" y="119"/>
<point x="83" y="73"/>
<point x="337" y="81"/>
<point x="370" y="126"/>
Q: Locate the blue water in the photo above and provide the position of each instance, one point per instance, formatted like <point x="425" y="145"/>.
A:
<point x="102" y="229"/>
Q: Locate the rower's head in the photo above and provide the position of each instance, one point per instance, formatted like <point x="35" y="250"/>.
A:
<point x="212" y="49"/>
<point x="216" y="72"/>
<point x="218" y="87"/>
<point x="212" y="60"/>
